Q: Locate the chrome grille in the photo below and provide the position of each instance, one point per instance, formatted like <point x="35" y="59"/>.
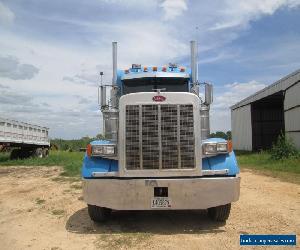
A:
<point x="159" y="137"/>
<point x="132" y="136"/>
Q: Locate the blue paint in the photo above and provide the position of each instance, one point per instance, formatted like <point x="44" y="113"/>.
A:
<point x="98" y="164"/>
<point x="221" y="161"/>
<point x="121" y="73"/>
<point x="100" y="142"/>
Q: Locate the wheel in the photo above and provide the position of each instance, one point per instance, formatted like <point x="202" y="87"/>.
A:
<point x="45" y="152"/>
<point x="219" y="213"/>
<point x="38" y="152"/>
<point x="98" y="214"/>
<point x="15" y="154"/>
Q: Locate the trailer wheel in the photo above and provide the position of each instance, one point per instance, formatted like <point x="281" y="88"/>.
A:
<point x="98" y="214"/>
<point x="219" y="213"/>
<point x="38" y="152"/>
<point x="45" y="152"/>
<point x="15" y="154"/>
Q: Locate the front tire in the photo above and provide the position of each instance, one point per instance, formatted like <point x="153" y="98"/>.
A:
<point x="98" y="214"/>
<point x="219" y="213"/>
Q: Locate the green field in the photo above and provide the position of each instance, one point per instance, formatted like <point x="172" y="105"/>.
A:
<point x="287" y="169"/>
<point x="70" y="161"/>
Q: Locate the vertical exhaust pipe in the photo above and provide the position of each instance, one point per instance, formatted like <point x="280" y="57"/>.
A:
<point x="114" y="60"/>
<point x="204" y="109"/>
<point x="114" y="90"/>
<point x="111" y="113"/>
<point x="194" y="63"/>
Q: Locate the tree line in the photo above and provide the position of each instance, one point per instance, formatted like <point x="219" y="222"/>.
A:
<point x="74" y="144"/>
<point x="221" y="134"/>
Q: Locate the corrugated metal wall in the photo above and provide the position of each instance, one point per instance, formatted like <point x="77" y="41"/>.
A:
<point x="292" y="113"/>
<point x="241" y="128"/>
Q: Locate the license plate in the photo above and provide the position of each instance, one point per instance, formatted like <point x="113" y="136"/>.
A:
<point x="161" y="202"/>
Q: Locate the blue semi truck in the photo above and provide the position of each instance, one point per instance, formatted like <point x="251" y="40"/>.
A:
<point x="157" y="153"/>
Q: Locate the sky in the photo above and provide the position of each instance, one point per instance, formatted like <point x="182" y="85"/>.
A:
<point x="51" y="52"/>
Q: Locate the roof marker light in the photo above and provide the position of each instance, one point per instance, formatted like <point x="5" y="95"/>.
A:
<point x="172" y="65"/>
<point x="145" y="69"/>
<point x="154" y="68"/>
<point x="126" y="71"/>
<point x="164" y="69"/>
<point x="136" y="66"/>
<point x="182" y="69"/>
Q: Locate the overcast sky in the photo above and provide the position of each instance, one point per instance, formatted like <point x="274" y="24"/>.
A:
<point x="51" y="52"/>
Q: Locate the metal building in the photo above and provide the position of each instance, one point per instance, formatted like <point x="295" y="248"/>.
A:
<point x="257" y="120"/>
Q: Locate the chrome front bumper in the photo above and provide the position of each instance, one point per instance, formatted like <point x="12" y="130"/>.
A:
<point x="136" y="194"/>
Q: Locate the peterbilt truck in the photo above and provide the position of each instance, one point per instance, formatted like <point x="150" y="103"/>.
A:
<point x="157" y="154"/>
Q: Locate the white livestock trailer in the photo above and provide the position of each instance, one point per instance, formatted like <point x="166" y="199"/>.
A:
<point x="25" y="139"/>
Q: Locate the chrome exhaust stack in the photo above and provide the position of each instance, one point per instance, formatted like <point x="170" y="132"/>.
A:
<point x="114" y="90"/>
<point x="194" y="62"/>
<point x="205" y="106"/>
<point x="115" y="62"/>
<point x="110" y="109"/>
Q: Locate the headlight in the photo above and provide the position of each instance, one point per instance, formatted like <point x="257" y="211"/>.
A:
<point x="97" y="150"/>
<point x="209" y="148"/>
<point x="101" y="150"/>
<point x="108" y="150"/>
<point x="222" y="147"/>
<point x="214" y="148"/>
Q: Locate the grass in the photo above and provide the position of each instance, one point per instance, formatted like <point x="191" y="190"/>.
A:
<point x="58" y="212"/>
<point x="123" y="241"/>
<point x="286" y="169"/>
<point x="70" y="161"/>
<point x="39" y="201"/>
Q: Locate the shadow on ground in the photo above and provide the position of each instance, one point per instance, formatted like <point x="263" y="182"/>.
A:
<point x="153" y="222"/>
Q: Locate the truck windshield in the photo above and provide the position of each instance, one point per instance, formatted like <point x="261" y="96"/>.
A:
<point x="148" y="84"/>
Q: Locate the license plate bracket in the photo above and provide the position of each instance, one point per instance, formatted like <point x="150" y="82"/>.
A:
<point x="161" y="202"/>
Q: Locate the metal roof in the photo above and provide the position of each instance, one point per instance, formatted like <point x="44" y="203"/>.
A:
<point x="280" y="85"/>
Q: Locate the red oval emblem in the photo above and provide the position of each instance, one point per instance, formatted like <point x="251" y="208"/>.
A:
<point x="159" y="98"/>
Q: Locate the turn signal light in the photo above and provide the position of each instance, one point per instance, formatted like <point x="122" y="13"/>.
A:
<point x="89" y="150"/>
<point x="229" y="146"/>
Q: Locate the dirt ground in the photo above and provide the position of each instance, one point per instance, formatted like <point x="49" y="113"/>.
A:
<point x="39" y="209"/>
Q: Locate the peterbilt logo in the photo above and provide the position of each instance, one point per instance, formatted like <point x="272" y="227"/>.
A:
<point x="159" y="98"/>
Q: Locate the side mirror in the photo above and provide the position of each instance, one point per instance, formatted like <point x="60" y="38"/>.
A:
<point x="208" y="94"/>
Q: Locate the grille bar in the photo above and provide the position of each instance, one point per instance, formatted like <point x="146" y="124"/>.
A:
<point x="159" y="137"/>
<point x="178" y="136"/>
<point x="140" y="136"/>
